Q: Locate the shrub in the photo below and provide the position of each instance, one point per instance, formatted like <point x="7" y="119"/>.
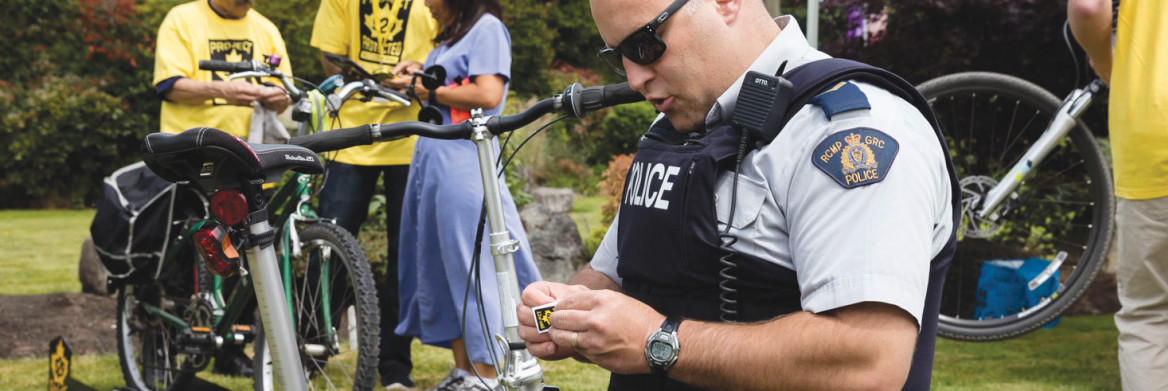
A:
<point x="930" y="38"/>
<point x="62" y="135"/>
<point x="294" y="19"/>
<point x="76" y="125"/>
<point x="612" y="185"/>
<point x="620" y="131"/>
<point x="531" y="45"/>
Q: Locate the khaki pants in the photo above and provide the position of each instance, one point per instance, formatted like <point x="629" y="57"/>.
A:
<point x="1142" y="278"/>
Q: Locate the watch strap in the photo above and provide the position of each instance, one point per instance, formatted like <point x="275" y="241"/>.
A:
<point x="669" y="326"/>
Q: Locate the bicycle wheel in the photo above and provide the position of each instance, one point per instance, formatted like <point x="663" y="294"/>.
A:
<point x="150" y="348"/>
<point x="1063" y="209"/>
<point x="337" y="340"/>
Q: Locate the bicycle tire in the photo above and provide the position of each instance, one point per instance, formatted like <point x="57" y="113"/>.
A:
<point x="340" y="366"/>
<point x="145" y="341"/>
<point x="1065" y="205"/>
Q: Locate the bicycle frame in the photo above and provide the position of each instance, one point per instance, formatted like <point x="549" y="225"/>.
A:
<point x="271" y="282"/>
<point x="520" y="369"/>
<point x="1068" y="115"/>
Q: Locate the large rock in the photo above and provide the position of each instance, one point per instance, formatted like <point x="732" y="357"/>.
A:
<point x="90" y="271"/>
<point x="555" y="242"/>
<point x="559" y="200"/>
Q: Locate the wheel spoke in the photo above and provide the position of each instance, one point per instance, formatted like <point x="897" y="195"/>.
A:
<point x="991" y="121"/>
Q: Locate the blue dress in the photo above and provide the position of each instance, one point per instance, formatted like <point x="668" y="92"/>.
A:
<point x="440" y="216"/>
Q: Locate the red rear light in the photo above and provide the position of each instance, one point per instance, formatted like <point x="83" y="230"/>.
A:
<point x="215" y="246"/>
<point x="229" y="206"/>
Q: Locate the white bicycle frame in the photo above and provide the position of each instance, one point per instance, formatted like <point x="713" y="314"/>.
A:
<point x="520" y="369"/>
<point x="278" y="331"/>
<point x="1064" y="120"/>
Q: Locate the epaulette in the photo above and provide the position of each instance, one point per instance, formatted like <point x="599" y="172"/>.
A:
<point x="842" y="97"/>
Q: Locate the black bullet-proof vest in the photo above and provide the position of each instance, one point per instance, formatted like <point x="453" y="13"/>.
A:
<point x="668" y="242"/>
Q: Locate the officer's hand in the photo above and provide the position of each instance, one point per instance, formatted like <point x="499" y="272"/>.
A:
<point x="611" y="329"/>
<point x="238" y="92"/>
<point x="537" y="294"/>
<point x="275" y="98"/>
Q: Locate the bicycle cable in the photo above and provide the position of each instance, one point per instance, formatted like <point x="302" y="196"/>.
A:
<point x="1074" y="55"/>
<point x="476" y="258"/>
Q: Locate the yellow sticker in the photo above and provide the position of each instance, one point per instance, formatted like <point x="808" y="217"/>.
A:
<point x="543" y="316"/>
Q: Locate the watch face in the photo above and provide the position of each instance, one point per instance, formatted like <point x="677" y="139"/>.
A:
<point x="661" y="350"/>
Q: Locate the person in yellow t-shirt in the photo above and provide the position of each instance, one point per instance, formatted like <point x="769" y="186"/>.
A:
<point x="1134" y="63"/>
<point x="377" y="34"/>
<point x="214" y="30"/>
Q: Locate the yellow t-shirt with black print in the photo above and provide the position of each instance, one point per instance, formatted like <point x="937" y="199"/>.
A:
<point x="375" y="34"/>
<point x="1139" y="101"/>
<point x="192" y="32"/>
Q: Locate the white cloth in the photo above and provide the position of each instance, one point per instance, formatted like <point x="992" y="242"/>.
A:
<point x="871" y="243"/>
<point x="266" y="127"/>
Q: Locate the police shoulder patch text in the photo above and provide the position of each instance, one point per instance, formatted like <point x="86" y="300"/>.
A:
<point x="856" y="157"/>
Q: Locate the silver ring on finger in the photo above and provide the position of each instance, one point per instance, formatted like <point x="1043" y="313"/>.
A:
<point x="575" y="344"/>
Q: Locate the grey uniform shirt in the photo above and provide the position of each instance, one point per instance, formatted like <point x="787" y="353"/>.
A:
<point x="868" y="243"/>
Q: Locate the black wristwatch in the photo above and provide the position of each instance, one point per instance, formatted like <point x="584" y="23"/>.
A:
<point x="662" y="347"/>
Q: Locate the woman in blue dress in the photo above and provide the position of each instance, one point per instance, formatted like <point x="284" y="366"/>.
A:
<point x="444" y="197"/>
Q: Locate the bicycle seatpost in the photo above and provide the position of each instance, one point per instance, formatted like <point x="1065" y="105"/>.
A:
<point x="277" y="318"/>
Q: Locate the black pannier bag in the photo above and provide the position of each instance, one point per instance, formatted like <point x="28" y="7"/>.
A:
<point x="133" y="221"/>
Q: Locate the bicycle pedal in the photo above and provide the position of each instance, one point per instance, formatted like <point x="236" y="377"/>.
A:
<point x="197" y="340"/>
<point x="240" y="334"/>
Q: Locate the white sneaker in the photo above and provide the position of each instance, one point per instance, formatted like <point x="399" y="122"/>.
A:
<point x="399" y="387"/>
<point x="457" y="381"/>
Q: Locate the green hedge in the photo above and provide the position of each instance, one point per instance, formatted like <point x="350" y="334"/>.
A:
<point x="60" y="137"/>
<point x="72" y="99"/>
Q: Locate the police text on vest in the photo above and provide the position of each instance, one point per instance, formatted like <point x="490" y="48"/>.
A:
<point x="647" y="184"/>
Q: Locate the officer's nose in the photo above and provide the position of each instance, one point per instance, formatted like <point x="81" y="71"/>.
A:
<point x="638" y="75"/>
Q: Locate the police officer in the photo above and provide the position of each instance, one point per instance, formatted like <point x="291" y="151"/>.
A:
<point x="841" y="231"/>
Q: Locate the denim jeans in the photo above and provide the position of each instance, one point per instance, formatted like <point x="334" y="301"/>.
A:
<point x="345" y="197"/>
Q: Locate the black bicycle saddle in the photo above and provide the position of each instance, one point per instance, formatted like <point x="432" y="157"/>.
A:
<point x="213" y="158"/>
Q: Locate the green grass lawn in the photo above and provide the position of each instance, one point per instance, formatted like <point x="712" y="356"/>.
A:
<point x="39" y="250"/>
<point x="586" y="212"/>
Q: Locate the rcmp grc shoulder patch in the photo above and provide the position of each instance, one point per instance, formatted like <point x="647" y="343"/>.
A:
<point x="856" y="157"/>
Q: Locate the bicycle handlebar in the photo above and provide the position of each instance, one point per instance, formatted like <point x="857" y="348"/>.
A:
<point x="368" y="88"/>
<point x="588" y="99"/>
<point x="252" y="68"/>
<point x="576" y="100"/>
<point x="227" y="66"/>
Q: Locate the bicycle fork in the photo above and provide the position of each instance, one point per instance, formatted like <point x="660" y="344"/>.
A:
<point x="520" y="369"/>
<point x="1062" y="123"/>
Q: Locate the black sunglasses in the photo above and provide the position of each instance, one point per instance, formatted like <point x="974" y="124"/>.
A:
<point x="643" y="46"/>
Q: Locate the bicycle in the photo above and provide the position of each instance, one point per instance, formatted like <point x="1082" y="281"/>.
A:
<point x="1034" y="184"/>
<point x="171" y="323"/>
<point x="181" y="156"/>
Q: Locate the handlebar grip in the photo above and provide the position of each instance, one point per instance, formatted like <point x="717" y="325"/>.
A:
<point x="335" y="139"/>
<point x="226" y="66"/>
<point x="584" y="100"/>
<point x="619" y="94"/>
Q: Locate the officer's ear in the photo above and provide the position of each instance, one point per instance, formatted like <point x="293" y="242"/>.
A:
<point x="728" y="9"/>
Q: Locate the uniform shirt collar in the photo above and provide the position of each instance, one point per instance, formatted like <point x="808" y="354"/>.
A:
<point x="790" y="45"/>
